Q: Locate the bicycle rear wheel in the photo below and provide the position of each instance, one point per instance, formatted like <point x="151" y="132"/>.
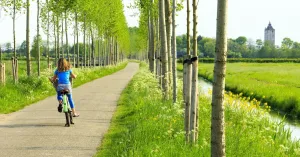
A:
<point x="67" y="119"/>
<point x="71" y="118"/>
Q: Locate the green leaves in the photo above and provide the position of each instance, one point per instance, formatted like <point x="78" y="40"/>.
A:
<point x="8" y="6"/>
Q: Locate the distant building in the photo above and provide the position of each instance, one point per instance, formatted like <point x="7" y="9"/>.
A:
<point x="270" y="34"/>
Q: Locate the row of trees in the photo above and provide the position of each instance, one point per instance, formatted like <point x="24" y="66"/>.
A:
<point x="102" y="24"/>
<point x="242" y="47"/>
<point x="21" y="50"/>
<point x="156" y="24"/>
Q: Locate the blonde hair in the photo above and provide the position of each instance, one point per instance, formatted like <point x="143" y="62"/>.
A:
<point x="63" y="65"/>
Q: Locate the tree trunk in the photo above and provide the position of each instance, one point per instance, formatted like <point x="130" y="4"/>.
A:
<point x="187" y="79"/>
<point x="174" y="54"/>
<point x="110" y="50"/>
<point x="217" y="118"/>
<point x="99" y="51"/>
<point x="77" y="37"/>
<point x="84" y="30"/>
<point x="66" y="30"/>
<point x="48" y="27"/>
<point x="163" y="50"/>
<point x="27" y="40"/>
<point x="14" y="70"/>
<point x="74" y="47"/>
<point x="168" y="31"/>
<point x="88" y="51"/>
<point x="151" y="43"/>
<point x="57" y="29"/>
<point x="14" y="30"/>
<point x="194" y="96"/>
<point x="92" y="48"/>
<point x="157" y="53"/>
<point x="116" y="51"/>
<point x="38" y="37"/>
<point x="105" y="52"/>
<point x="62" y="37"/>
<point x="55" y="42"/>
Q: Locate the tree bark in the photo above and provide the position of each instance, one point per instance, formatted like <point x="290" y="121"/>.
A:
<point x="55" y="42"/>
<point x="92" y="49"/>
<point x="48" y="27"/>
<point x="168" y="31"/>
<point x="163" y="50"/>
<point x="57" y="33"/>
<point x="14" y="29"/>
<point x="194" y="96"/>
<point x="174" y="54"/>
<point x="77" y="37"/>
<point x="157" y="53"/>
<point x="218" y="120"/>
<point x="38" y="37"/>
<point x="187" y="88"/>
<point x="66" y="30"/>
<point x="99" y="51"/>
<point x="84" y="30"/>
<point x="74" y="47"/>
<point x="27" y="40"/>
<point x="14" y="70"/>
<point x="152" y="47"/>
<point x="62" y="37"/>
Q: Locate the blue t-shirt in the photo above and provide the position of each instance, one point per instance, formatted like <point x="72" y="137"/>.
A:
<point x="63" y="76"/>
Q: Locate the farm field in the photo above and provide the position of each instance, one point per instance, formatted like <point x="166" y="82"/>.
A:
<point x="275" y="83"/>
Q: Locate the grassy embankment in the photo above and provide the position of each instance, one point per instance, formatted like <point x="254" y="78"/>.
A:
<point x="275" y="83"/>
<point x="144" y="125"/>
<point x="14" y="97"/>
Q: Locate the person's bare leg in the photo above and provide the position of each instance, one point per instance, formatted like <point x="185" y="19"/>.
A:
<point x="74" y="112"/>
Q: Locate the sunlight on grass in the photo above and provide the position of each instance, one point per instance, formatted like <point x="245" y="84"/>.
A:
<point x="145" y="125"/>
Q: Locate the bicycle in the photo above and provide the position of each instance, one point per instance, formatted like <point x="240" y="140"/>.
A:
<point x="67" y="108"/>
<point x="65" y="103"/>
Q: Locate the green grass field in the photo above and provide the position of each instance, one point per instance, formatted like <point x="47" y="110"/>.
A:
<point x="28" y="90"/>
<point x="144" y="125"/>
<point x="275" y="83"/>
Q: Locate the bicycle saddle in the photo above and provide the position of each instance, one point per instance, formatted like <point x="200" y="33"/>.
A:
<point x="64" y="91"/>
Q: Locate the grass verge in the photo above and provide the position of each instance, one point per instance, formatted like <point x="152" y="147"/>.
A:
<point x="144" y="125"/>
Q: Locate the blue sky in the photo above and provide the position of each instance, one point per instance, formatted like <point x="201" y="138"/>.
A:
<point x="245" y="18"/>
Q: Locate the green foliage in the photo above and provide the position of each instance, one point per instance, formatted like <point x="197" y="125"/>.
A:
<point x="145" y="125"/>
<point x="241" y="40"/>
<point x="106" y="17"/>
<point x="8" y="6"/>
<point x="242" y="47"/>
<point x="34" y="49"/>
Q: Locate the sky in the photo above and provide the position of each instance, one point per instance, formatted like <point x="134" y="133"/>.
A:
<point x="245" y="18"/>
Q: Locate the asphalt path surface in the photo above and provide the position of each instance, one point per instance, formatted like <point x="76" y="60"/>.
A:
<point x="38" y="130"/>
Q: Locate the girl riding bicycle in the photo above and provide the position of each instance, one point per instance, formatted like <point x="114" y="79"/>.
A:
<point x="63" y="73"/>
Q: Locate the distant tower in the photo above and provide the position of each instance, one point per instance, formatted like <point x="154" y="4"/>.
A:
<point x="270" y="34"/>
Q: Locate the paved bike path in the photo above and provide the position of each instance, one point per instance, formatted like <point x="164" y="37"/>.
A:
<point x="38" y="130"/>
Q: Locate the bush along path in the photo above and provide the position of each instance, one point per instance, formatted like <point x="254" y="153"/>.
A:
<point x="14" y="97"/>
<point x="38" y="129"/>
